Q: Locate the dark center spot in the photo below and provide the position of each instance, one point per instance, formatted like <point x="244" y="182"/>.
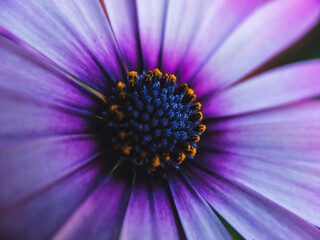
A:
<point x="151" y="123"/>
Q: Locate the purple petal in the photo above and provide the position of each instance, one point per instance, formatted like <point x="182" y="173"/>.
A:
<point x="251" y="214"/>
<point x="41" y="215"/>
<point x="295" y="140"/>
<point x="291" y="184"/>
<point x="149" y="213"/>
<point x="267" y="32"/>
<point x="30" y="76"/>
<point x="299" y="112"/>
<point x="73" y="34"/>
<point x="197" y="218"/>
<point x="32" y="164"/>
<point x="219" y="19"/>
<point x="29" y="116"/>
<point x="38" y="102"/>
<point x="274" y="88"/>
<point x="183" y="17"/>
<point x="101" y="215"/>
<point x="122" y="16"/>
<point x="151" y="19"/>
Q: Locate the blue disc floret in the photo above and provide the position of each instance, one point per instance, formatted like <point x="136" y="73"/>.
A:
<point x="152" y="123"/>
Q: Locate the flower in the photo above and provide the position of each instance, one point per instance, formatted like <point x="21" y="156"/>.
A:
<point x="67" y="170"/>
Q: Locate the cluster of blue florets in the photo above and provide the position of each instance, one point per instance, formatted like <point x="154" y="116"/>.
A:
<point x="152" y="123"/>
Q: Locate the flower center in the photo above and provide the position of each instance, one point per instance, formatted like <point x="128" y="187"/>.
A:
<point x="151" y="123"/>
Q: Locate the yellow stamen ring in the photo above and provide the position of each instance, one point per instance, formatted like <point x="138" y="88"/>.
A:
<point x="133" y="75"/>
<point x="181" y="157"/>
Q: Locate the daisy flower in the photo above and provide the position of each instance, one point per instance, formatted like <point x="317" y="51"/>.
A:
<point x="139" y="119"/>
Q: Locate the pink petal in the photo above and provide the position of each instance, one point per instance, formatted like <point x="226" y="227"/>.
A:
<point x="100" y="216"/>
<point x="298" y="112"/>
<point x="73" y="34"/>
<point x="219" y="19"/>
<point x="274" y="88"/>
<point x="267" y="32"/>
<point x="197" y="218"/>
<point x="183" y="17"/>
<point x="291" y="184"/>
<point x="32" y="164"/>
<point x="298" y="141"/>
<point x="50" y="208"/>
<point x="45" y="121"/>
<point x="122" y="15"/>
<point x="149" y="214"/>
<point x="251" y="214"/>
<point x="151" y="19"/>
<point x="39" y="100"/>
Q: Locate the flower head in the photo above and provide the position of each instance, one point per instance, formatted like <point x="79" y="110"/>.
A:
<point x="157" y="120"/>
<point x="151" y="122"/>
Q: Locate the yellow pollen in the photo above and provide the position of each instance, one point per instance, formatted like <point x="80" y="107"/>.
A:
<point x="189" y="91"/>
<point x="195" y="138"/>
<point x="120" y="86"/>
<point x="197" y="106"/>
<point x="190" y="94"/>
<point x="113" y="108"/>
<point x="126" y="149"/>
<point x="186" y="146"/>
<point x="197" y="116"/>
<point x="165" y="77"/>
<point x="132" y="82"/>
<point x="147" y="78"/>
<point x="157" y="72"/>
<point x="133" y="75"/>
<point x="122" y="134"/>
<point x="155" y="162"/>
<point x="172" y="78"/>
<point x="181" y="156"/>
<point x="193" y="97"/>
<point x="191" y="150"/>
<point x="184" y="87"/>
<point x="166" y="157"/>
<point x="202" y="128"/>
